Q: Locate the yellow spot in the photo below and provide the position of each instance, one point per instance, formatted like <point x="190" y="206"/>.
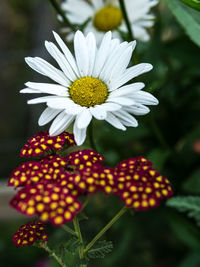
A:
<point x="88" y="92"/>
<point x="31" y="239"/>
<point x="121" y="186"/>
<point x="156" y="185"/>
<point x="164" y="192"/>
<point x="37" y="150"/>
<point x="44" y="216"/>
<point x="33" y="191"/>
<point x="76" y="206"/>
<point x="108" y="18"/>
<point x="40" y="207"/>
<point x="129" y="201"/>
<point x="25" y="242"/>
<point x="126" y="194"/>
<point x="23" y="195"/>
<point x="152" y="173"/>
<point x="136" y="177"/>
<point x="82" y="185"/>
<point x="145" y="204"/>
<point x="50" y="142"/>
<point x="133" y="188"/>
<point x="91" y="188"/>
<point x="31" y="202"/>
<point x="54" y="196"/>
<point x="136" y="204"/>
<point x="85" y="157"/>
<point x="53" y="205"/>
<point x="76" y="161"/>
<point x="38" y="198"/>
<point x="43" y="146"/>
<point x="55" y="164"/>
<point x="152" y="202"/>
<point x="68" y="215"/>
<point x="144" y="196"/>
<point x="90" y="180"/>
<point x="58" y="220"/>
<point x="69" y="200"/>
<point x="108" y="189"/>
<point x="30" y="151"/>
<point x="88" y="163"/>
<point x="148" y="190"/>
<point x="158" y="194"/>
<point x="159" y="178"/>
<point x="135" y="196"/>
<point x="57" y="145"/>
<point x="46" y="199"/>
<point x="30" y="211"/>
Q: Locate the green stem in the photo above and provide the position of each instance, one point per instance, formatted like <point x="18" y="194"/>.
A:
<point x="58" y="9"/>
<point x="99" y="235"/>
<point x="157" y="132"/>
<point x="69" y="230"/>
<point x="91" y="136"/>
<point x="125" y="15"/>
<point x="52" y="254"/>
<point x="79" y="235"/>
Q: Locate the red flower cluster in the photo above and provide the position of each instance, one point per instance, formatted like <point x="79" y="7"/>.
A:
<point x="52" y="186"/>
<point x="42" y="142"/>
<point x="139" y="185"/>
<point x="29" y="233"/>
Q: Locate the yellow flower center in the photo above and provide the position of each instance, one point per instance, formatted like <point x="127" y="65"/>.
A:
<point x="108" y="18"/>
<point x="88" y="92"/>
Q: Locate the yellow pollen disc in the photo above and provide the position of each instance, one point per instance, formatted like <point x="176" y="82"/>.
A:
<point x="88" y="92"/>
<point x="108" y="18"/>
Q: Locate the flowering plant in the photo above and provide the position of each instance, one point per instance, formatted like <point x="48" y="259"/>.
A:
<point x="64" y="172"/>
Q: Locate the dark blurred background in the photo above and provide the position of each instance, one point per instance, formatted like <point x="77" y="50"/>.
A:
<point x="169" y="136"/>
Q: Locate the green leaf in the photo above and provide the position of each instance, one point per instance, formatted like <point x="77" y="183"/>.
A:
<point x="192" y="3"/>
<point x="189" y="204"/>
<point x="188" y="18"/>
<point x="100" y="250"/>
<point x="192" y="184"/>
<point x="158" y="157"/>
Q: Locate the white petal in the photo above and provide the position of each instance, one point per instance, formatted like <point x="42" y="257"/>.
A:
<point x="126" y="118"/>
<point x="83" y="119"/>
<point x="44" y="68"/>
<point x="53" y="89"/>
<point x="102" y="54"/>
<point x="42" y="99"/>
<point x="61" y="122"/>
<point x="145" y="98"/>
<point x="81" y="53"/>
<point x="124" y="101"/>
<point x="130" y="73"/>
<point x="67" y="53"/>
<point x="127" y="89"/>
<point x="91" y="44"/>
<point x="111" y="106"/>
<point x="114" y="121"/>
<point x="60" y="103"/>
<point x="79" y="134"/>
<point x="47" y="115"/>
<point x="99" y="112"/>
<point x="29" y="91"/>
<point x="138" y="109"/>
<point x="61" y="60"/>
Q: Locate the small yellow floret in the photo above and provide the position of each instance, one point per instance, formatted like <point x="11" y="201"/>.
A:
<point x="88" y="92"/>
<point x="108" y="18"/>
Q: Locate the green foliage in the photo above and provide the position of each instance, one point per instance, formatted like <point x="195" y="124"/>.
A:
<point x="188" y="18"/>
<point x="100" y="250"/>
<point x="192" y="3"/>
<point x="158" y="156"/>
<point x="192" y="184"/>
<point x="189" y="204"/>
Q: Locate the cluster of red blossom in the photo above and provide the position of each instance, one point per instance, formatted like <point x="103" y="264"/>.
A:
<point x="52" y="185"/>
<point x="29" y="233"/>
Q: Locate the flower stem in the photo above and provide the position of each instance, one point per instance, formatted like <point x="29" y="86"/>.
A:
<point x="99" y="235"/>
<point x="125" y="15"/>
<point x="91" y="136"/>
<point x="157" y="132"/>
<point x="51" y="253"/>
<point x="80" y="239"/>
<point x="58" y="9"/>
<point x="69" y="230"/>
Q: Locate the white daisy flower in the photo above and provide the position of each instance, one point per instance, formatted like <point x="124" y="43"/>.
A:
<point x="91" y="84"/>
<point x="107" y="16"/>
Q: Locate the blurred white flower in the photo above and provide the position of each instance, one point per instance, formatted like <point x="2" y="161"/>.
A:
<point x="91" y="84"/>
<point x="106" y="16"/>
